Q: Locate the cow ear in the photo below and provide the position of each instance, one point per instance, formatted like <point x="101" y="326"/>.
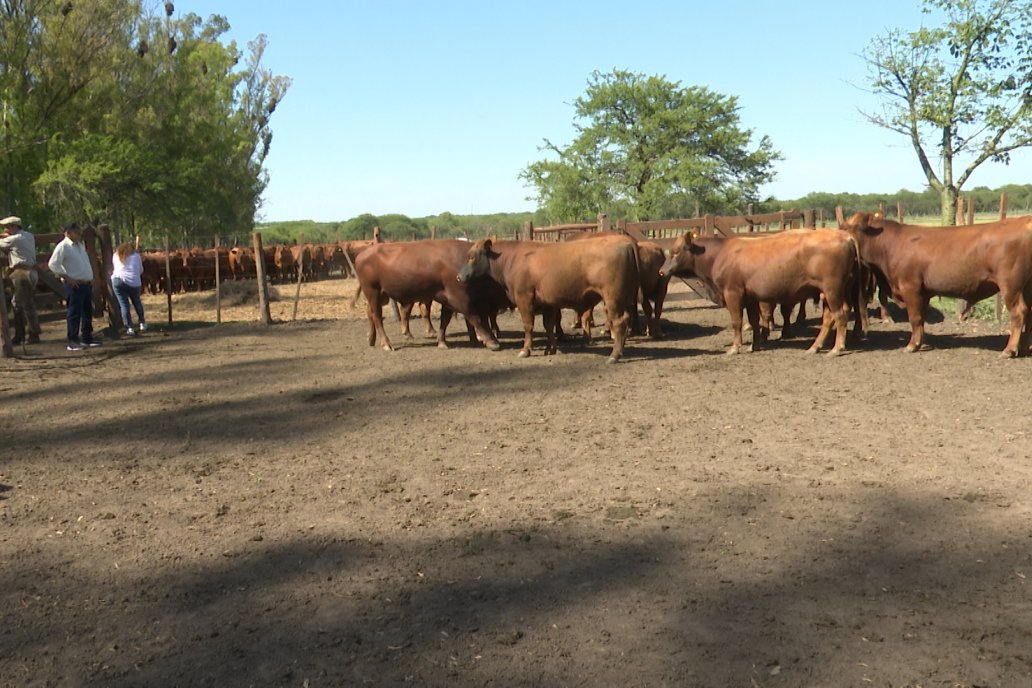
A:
<point x="487" y="245"/>
<point x="692" y="236"/>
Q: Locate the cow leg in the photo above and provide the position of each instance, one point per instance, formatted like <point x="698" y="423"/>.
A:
<point x="734" y="306"/>
<point x="587" y="322"/>
<point x="835" y="311"/>
<point x="786" y="319"/>
<point x="374" y="310"/>
<point x="424" y="310"/>
<point x="766" y="321"/>
<point x="1018" y="308"/>
<point x="822" y="334"/>
<point x="916" y="304"/>
<point x="646" y="309"/>
<point x="752" y="310"/>
<point x="619" y="324"/>
<point x="526" y="309"/>
<point x="446" y="316"/>
<point x="404" y="313"/>
<point x="549" y="319"/>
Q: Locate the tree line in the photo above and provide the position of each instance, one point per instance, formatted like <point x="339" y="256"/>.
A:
<point x="397" y="227"/>
<point x="122" y="112"/>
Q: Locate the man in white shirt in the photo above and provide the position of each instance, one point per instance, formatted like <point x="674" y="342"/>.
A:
<point x="20" y="247"/>
<point x="72" y="265"/>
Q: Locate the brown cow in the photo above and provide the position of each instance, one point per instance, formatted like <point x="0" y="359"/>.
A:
<point x="971" y="263"/>
<point x="302" y="256"/>
<point x="542" y="277"/>
<point x="241" y="262"/>
<point x="286" y="265"/>
<point x="413" y="272"/>
<point x="786" y="267"/>
<point x="653" y="285"/>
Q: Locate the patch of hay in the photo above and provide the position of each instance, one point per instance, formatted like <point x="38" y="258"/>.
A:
<point x="236" y="293"/>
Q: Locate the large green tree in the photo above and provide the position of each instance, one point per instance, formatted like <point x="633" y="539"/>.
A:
<point x="960" y="92"/>
<point x="119" y="111"/>
<point x="647" y="148"/>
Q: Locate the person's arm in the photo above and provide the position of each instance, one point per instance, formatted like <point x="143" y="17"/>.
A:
<point x="56" y="265"/>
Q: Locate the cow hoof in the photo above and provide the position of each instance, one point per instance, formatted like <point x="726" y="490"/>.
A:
<point x="493" y="346"/>
<point x="612" y="359"/>
<point x="909" y="348"/>
<point x="812" y="350"/>
<point x="733" y="351"/>
<point x="524" y="353"/>
<point x="836" y="352"/>
<point x="442" y="345"/>
<point x="1007" y="353"/>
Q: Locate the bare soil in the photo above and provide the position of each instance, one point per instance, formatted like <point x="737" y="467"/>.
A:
<point x="242" y="505"/>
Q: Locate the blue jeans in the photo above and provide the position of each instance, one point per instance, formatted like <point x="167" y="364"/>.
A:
<point x="80" y="312"/>
<point x="127" y="294"/>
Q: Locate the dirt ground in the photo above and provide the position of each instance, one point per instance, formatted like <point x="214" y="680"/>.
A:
<point x="241" y="505"/>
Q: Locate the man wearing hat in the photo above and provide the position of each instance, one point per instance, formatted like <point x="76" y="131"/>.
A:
<point x="20" y="247"/>
<point x="72" y="265"/>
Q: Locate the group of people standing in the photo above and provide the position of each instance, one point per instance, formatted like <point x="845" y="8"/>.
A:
<point x="71" y="264"/>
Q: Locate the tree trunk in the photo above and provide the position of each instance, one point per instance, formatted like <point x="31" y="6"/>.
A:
<point x="948" y="196"/>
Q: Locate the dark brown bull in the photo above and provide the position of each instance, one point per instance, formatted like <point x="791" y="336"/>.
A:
<point x="544" y="277"/>
<point x="971" y="263"/>
<point x="414" y="272"/>
<point x="786" y="267"/>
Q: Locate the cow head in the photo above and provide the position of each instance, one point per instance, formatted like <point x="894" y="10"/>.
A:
<point x="478" y="260"/>
<point x="864" y="224"/>
<point x="681" y="261"/>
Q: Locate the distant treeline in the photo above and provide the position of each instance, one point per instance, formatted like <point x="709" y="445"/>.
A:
<point x="395" y="227"/>
<point x="926" y="203"/>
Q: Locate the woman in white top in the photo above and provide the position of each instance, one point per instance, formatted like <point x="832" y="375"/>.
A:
<point x="126" y="281"/>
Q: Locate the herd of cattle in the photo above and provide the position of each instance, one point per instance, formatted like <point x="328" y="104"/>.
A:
<point x="843" y="268"/>
<point x="194" y="269"/>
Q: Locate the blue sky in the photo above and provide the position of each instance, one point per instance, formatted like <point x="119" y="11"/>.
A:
<point x="424" y="107"/>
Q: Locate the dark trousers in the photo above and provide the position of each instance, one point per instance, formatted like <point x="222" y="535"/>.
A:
<point x="80" y="312"/>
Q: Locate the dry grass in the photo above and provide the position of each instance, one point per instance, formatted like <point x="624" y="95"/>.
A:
<point x="324" y="300"/>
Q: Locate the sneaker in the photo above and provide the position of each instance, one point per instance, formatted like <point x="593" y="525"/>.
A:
<point x="93" y="343"/>
<point x="75" y="346"/>
<point x="143" y="327"/>
<point x="131" y="332"/>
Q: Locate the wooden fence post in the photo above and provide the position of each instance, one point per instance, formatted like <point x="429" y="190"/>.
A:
<point x="106" y="266"/>
<point x="602" y="220"/>
<point x="528" y="230"/>
<point x="899" y="211"/>
<point x="840" y="215"/>
<point x="218" y="285"/>
<point x="168" y="279"/>
<point x="5" y="325"/>
<point x="263" y="287"/>
<point x="970" y="210"/>
<point x="1003" y="205"/>
<point x="959" y="219"/>
<point x="300" y="272"/>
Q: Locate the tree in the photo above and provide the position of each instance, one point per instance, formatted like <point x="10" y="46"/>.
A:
<point x="111" y="113"/>
<point x="647" y="147"/>
<point x="960" y="92"/>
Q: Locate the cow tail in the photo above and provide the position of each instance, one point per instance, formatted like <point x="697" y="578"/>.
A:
<point x="639" y="294"/>
<point x="358" y="292"/>
<point x="859" y="282"/>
